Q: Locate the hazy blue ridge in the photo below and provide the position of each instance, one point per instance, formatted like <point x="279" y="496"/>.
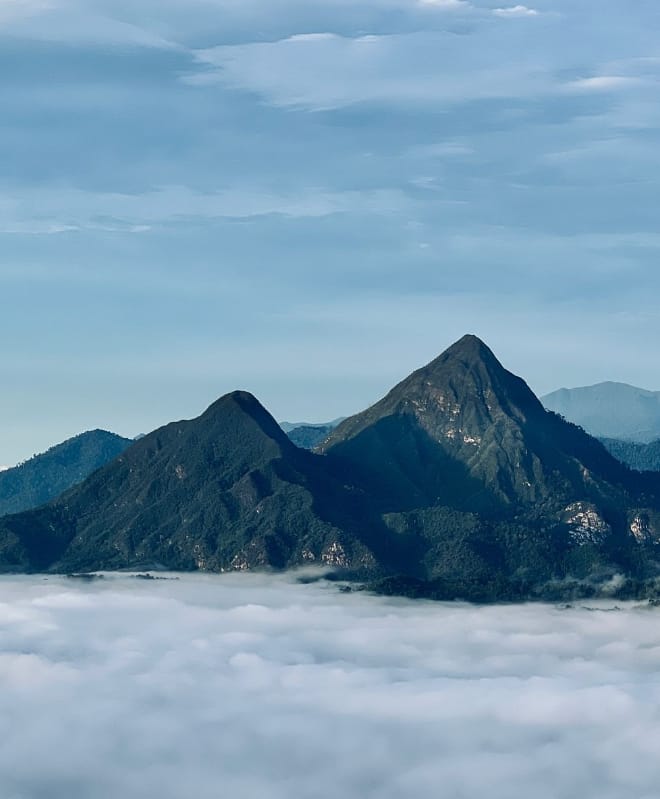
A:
<point x="46" y="476"/>
<point x="310" y="436"/>
<point x="610" y="410"/>
<point x="288" y="427"/>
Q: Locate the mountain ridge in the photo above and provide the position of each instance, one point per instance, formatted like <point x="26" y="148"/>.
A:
<point x="288" y="427"/>
<point x="458" y="483"/>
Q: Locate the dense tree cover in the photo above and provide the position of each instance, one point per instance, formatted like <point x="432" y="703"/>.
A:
<point x="641" y="457"/>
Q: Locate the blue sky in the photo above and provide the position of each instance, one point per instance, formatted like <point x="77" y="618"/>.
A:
<point x="310" y="199"/>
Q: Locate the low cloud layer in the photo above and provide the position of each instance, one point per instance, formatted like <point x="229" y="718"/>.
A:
<point x="257" y="687"/>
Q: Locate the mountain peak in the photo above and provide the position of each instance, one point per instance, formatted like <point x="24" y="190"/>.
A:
<point x="467" y="378"/>
<point x="469" y="350"/>
<point x="469" y="373"/>
<point x="244" y="399"/>
<point x="242" y="407"/>
<point x="471" y="346"/>
<point x="465" y="413"/>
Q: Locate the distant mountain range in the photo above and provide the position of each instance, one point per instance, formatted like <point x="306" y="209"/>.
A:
<point x="309" y="436"/>
<point x="288" y="427"/>
<point x="46" y="476"/>
<point x="610" y="410"/>
<point x="458" y="483"/>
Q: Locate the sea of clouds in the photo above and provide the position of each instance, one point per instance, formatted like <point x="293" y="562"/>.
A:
<point x="258" y="686"/>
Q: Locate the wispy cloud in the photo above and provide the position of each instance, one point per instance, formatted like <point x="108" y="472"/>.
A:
<point x="515" y="11"/>
<point x="52" y="21"/>
<point x="68" y="210"/>
<point x="604" y="83"/>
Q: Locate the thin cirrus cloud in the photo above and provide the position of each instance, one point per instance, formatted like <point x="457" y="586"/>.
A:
<point x="74" y="23"/>
<point x="13" y="10"/>
<point x="66" y="211"/>
<point x="604" y="83"/>
<point x="271" y="689"/>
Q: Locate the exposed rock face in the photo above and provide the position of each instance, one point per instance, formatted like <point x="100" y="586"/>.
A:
<point x="585" y="524"/>
<point x="645" y="526"/>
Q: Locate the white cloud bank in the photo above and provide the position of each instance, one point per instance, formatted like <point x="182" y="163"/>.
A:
<point x="253" y="687"/>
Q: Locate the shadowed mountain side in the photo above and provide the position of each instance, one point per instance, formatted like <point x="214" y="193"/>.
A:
<point x="401" y="467"/>
<point x="225" y="491"/>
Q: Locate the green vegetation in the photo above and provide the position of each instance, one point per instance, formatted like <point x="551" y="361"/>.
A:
<point x="641" y="457"/>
